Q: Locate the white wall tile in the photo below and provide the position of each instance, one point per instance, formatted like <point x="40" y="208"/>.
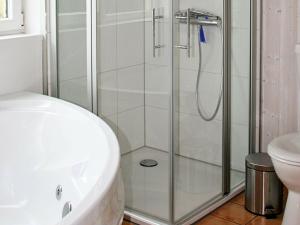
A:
<point x="75" y="91"/>
<point x="108" y="93"/>
<point x="107" y="48"/>
<point x="212" y="50"/>
<point x="213" y="6"/>
<point x="209" y="89"/>
<point x="240" y="64"/>
<point x="107" y="12"/>
<point x="72" y="21"/>
<point x="112" y="121"/>
<point x="240" y="97"/>
<point x="130" y="42"/>
<point x="240" y="13"/>
<point x="72" y="54"/>
<point x="239" y="146"/>
<point x="131" y="129"/>
<point x="157" y="128"/>
<point x="67" y="6"/>
<point x="128" y="6"/>
<point x="121" y="62"/>
<point x="131" y="88"/>
<point x="200" y="140"/>
<point x="158" y="86"/>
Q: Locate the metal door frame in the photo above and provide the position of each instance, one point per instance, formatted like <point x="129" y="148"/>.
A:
<point x="52" y="45"/>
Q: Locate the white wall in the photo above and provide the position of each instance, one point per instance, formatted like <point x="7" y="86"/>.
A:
<point x="121" y="70"/>
<point x="21" y="64"/>
<point x="34" y="16"/>
<point x="279" y="70"/>
<point x="21" y="56"/>
<point x="203" y="140"/>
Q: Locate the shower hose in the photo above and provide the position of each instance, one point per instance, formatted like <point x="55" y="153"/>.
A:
<point x="201" y="110"/>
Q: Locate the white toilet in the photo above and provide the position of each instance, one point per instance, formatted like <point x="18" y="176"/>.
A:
<point x="285" y="155"/>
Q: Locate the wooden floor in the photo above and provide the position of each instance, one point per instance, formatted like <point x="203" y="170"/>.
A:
<point x="234" y="213"/>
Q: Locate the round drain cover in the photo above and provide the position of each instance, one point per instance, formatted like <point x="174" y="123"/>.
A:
<point x="148" y="163"/>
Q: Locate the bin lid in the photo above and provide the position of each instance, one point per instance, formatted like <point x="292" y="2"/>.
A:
<point x="260" y="161"/>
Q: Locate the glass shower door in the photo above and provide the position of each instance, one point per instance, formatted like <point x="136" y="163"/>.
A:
<point x="134" y="97"/>
<point x="240" y="88"/>
<point x="211" y="65"/>
<point x="198" y="148"/>
<point x="74" y="51"/>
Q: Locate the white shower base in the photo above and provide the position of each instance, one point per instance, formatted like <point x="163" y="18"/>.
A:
<point x="147" y="189"/>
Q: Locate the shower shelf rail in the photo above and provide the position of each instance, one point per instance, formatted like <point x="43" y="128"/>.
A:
<point x="197" y="17"/>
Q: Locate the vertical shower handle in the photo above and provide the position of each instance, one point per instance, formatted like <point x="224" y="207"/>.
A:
<point x="154" y="18"/>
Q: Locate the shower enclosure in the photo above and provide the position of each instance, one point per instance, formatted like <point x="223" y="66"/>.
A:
<point x="174" y="80"/>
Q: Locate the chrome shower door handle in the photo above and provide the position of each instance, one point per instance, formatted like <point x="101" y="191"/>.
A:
<point x="154" y="18"/>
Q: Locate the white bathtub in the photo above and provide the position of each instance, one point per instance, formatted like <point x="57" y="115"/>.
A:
<point x="46" y="142"/>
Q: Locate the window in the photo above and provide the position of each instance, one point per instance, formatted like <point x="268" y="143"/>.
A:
<point x="3" y="9"/>
<point x="11" y="17"/>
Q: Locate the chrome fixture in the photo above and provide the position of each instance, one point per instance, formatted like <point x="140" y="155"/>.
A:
<point x="58" y="192"/>
<point x="198" y="17"/>
<point x="67" y="209"/>
<point x="195" y="17"/>
<point x="200" y="108"/>
<point x="187" y="20"/>
<point x="154" y="18"/>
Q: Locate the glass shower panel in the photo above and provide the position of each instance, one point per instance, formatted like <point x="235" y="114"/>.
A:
<point x="198" y="149"/>
<point x="158" y="82"/>
<point x="134" y="96"/>
<point x="240" y="87"/>
<point x="72" y="49"/>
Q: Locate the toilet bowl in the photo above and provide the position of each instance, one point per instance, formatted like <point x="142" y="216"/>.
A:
<point x="285" y="154"/>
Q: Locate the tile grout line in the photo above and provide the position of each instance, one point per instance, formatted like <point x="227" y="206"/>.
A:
<point x="224" y="219"/>
<point x="231" y="220"/>
<point x="238" y="204"/>
<point x="251" y="219"/>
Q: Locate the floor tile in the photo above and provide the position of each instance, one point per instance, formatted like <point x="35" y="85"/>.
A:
<point x="212" y="220"/>
<point x="234" y="213"/>
<point x="240" y="200"/>
<point x="127" y="223"/>
<point x="263" y="221"/>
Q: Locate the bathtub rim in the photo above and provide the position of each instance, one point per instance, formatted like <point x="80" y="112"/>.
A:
<point x="22" y="100"/>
